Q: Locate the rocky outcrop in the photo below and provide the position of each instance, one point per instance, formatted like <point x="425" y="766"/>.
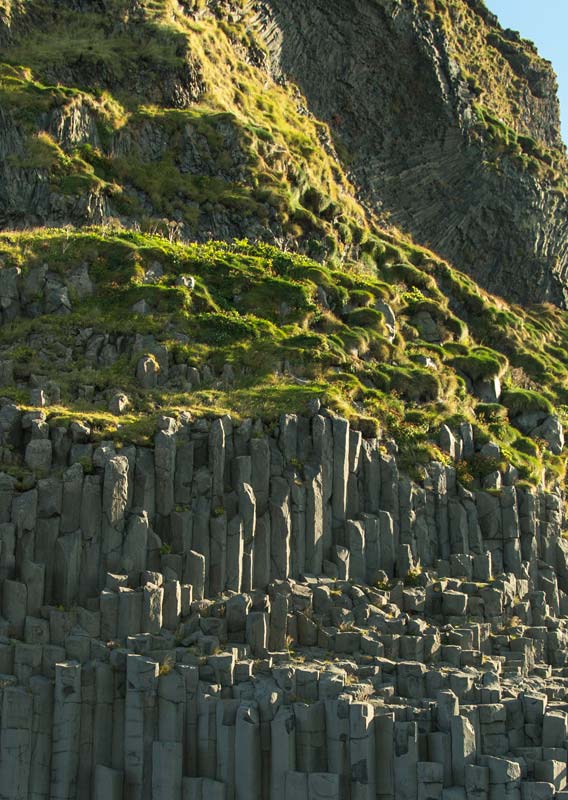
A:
<point x="238" y="613"/>
<point x="389" y="81"/>
<point x="202" y="608"/>
<point x="448" y="125"/>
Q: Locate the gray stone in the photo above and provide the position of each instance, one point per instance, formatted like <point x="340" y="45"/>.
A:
<point x="217" y="457"/>
<point x="248" y="753"/>
<point x="257" y="627"/>
<point x="551" y="431"/>
<point x="119" y="404"/>
<point x="234" y="555"/>
<point x="355" y="536"/>
<point x="324" y="786"/>
<point x="310" y="737"/>
<point x="147" y="372"/>
<point x="314" y="525"/>
<point x="167" y="764"/>
<point x="66" y="730"/>
<point x="33" y="575"/>
<point x="261" y="553"/>
<point x="38" y="455"/>
<point x="463" y="747"/>
<point x="362" y="751"/>
<point x="278" y="623"/>
<point x="194" y="573"/>
<point x="115" y="503"/>
<point x="488" y="391"/>
<point x="454" y="603"/>
<point x="555" y="729"/>
<point x="283" y="756"/>
<point x="405" y="760"/>
<point x="152" y="609"/>
<point x="14" y="605"/>
<point x="218" y="554"/>
<point x="226" y="770"/>
<point x="135" y="543"/>
<point x="67" y="567"/>
<point x="501" y="770"/>
<point x="341" y="557"/>
<point x="171" y="609"/>
<point x="247" y="512"/>
<point x="340" y="468"/>
<point x="281" y="529"/>
<point x="165" y="463"/>
<point x="108" y="783"/>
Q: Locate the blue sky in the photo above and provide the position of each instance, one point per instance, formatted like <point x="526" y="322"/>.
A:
<point x="546" y="23"/>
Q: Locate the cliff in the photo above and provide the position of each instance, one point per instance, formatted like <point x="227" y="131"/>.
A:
<point x="282" y="505"/>
<point x="212" y="119"/>
<point x="155" y="640"/>
<point x="450" y="126"/>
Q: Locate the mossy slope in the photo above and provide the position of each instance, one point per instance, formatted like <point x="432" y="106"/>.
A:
<point x="161" y="121"/>
<point x="290" y="329"/>
<point x="161" y="115"/>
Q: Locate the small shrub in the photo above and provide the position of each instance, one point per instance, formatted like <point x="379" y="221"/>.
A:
<point x="412" y="577"/>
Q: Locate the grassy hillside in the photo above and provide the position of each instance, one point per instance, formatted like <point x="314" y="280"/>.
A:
<point x="275" y="330"/>
<point x="162" y="115"/>
<point x="160" y="120"/>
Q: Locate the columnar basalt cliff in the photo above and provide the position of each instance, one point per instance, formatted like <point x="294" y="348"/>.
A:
<point x="282" y="489"/>
<point x="241" y="613"/>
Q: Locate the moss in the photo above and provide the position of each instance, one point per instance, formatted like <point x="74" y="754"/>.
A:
<point x="480" y="364"/>
<point x="366" y="318"/>
<point x="527" y="446"/>
<point x="413" y="383"/>
<point x="491" y="412"/>
<point x="290" y="350"/>
<point x="524" y="151"/>
<point x="361" y="298"/>
<point x="40" y="152"/>
<point x="525" y="401"/>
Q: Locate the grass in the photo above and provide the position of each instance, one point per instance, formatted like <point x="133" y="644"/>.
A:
<point x="255" y="155"/>
<point x="243" y="151"/>
<point x="256" y="308"/>
<point x="498" y="69"/>
<point x="524" y="151"/>
<point x="525" y="401"/>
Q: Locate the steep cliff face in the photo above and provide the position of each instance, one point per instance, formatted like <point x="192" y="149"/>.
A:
<point x="279" y="523"/>
<point x="161" y="116"/>
<point x="451" y="125"/>
<point x="205" y="119"/>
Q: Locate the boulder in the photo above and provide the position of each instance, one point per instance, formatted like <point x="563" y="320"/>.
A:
<point x="119" y="403"/>
<point x="147" y="371"/>
<point x="551" y="431"/>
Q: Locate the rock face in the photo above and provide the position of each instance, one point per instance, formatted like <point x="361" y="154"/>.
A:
<point x="217" y="610"/>
<point x="447" y="124"/>
<point x="275" y="616"/>
<point x="402" y="89"/>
